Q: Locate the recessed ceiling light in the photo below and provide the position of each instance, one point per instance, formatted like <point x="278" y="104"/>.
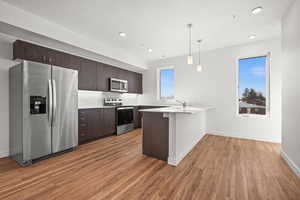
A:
<point x="150" y="50"/>
<point x="251" y="37"/>
<point x="122" y="34"/>
<point x="257" y="10"/>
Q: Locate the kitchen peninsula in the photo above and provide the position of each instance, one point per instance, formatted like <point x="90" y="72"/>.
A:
<point x="170" y="133"/>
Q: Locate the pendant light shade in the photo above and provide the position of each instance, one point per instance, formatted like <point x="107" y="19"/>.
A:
<point x="190" y="60"/>
<point x="199" y="66"/>
<point x="190" y="57"/>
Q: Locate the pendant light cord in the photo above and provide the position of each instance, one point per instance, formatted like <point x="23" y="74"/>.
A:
<point x="199" y="52"/>
<point x="190" y="39"/>
<point x="199" y="43"/>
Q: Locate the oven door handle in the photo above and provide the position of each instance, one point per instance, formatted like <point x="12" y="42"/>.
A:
<point x="126" y="108"/>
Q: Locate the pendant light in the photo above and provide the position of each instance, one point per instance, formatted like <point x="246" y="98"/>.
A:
<point x="190" y="57"/>
<point x="199" y="66"/>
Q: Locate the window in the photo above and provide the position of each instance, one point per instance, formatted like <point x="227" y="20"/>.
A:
<point x="253" y="85"/>
<point x="166" y="83"/>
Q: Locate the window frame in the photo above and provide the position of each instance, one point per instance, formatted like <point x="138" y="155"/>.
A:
<point x="159" y="83"/>
<point x="268" y="88"/>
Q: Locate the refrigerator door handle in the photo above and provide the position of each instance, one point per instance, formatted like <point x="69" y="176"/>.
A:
<point x="50" y="107"/>
<point x="54" y="102"/>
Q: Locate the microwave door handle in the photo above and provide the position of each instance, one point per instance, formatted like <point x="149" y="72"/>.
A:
<point x="54" y="102"/>
<point x="50" y="100"/>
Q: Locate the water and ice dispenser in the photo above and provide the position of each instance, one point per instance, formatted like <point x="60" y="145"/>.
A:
<point x="38" y="105"/>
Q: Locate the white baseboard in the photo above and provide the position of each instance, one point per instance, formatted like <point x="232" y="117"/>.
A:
<point x="221" y="133"/>
<point x="175" y="160"/>
<point x="4" y="154"/>
<point x="172" y="161"/>
<point x="290" y="163"/>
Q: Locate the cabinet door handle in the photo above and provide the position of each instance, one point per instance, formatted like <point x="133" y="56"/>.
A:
<point x="82" y="134"/>
<point x="83" y="125"/>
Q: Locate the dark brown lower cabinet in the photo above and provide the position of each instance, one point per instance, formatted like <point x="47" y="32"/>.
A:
<point x="108" y="121"/>
<point x="86" y="124"/>
<point x="137" y="117"/>
<point x="95" y="123"/>
<point x="155" y="138"/>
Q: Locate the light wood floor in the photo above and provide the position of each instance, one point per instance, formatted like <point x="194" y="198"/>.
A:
<point x="114" y="168"/>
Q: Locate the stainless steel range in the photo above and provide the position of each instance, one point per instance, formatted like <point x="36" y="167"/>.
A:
<point x="124" y="120"/>
<point x="125" y="115"/>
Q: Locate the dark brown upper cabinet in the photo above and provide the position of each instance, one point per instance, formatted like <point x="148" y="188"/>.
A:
<point x="87" y="78"/>
<point x="140" y="83"/>
<point x="28" y="51"/>
<point x="135" y="84"/>
<point x="122" y="74"/>
<point x="112" y="72"/>
<point x="92" y="75"/>
<point x="53" y="57"/>
<point x="71" y="62"/>
<point x="102" y="80"/>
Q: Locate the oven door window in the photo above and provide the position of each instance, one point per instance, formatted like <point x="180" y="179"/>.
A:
<point x="125" y="116"/>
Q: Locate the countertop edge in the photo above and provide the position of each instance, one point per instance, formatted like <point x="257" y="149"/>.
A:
<point x="175" y="110"/>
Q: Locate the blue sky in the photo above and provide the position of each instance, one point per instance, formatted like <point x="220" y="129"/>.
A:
<point x="252" y="74"/>
<point x="167" y="82"/>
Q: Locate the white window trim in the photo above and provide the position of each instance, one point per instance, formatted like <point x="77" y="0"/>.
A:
<point x="268" y="89"/>
<point x="158" y="82"/>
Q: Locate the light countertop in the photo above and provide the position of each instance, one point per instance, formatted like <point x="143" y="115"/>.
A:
<point x="178" y="109"/>
<point x="124" y="105"/>
<point x="94" y="107"/>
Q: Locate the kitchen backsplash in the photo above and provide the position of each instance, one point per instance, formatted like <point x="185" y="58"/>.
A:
<point x="92" y="99"/>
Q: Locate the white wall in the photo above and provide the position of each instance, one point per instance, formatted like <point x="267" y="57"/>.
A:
<point x="5" y="64"/>
<point x="290" y="86"/>
<point x="92" y="99"/>
<point x="216" y="86"/>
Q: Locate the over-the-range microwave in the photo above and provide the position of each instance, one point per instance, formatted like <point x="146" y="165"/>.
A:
<point x="118" y="85"/>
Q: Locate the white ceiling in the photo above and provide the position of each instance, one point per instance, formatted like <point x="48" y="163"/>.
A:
<point x="161" y="24"/>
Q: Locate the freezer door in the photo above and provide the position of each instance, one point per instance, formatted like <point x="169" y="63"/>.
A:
<point x="65" y="109"/>
<point x="36" y="107"/>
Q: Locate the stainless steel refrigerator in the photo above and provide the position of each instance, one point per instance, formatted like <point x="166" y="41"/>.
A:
<point x="43" y="111"/>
